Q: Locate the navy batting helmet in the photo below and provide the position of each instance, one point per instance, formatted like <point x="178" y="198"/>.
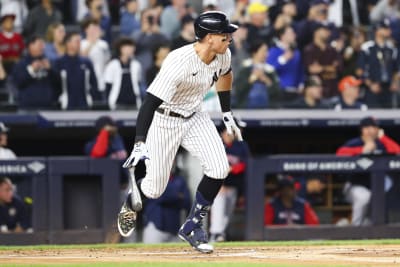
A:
<point x="212" y="22"/>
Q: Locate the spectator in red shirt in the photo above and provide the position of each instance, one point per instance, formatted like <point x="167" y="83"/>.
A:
<point x="287" y="208"/>
<point x="372" y="141"/>
<point x="11" y="43"/>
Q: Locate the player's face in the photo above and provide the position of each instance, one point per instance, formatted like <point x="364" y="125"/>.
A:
<point x="6" y="192"/>
<point x="220" y="42"/>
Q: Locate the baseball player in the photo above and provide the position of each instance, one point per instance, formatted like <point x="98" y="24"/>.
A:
<point x="171" y="116"/>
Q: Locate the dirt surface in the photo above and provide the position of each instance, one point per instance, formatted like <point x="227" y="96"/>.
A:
<point x="349" y="255"/>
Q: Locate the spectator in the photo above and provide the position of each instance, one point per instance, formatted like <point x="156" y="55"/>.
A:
<point x="312" y="95"/>
<point x="239" y="47"/>
<point x="162" y="215"/>
<point x="352" y="51"/>
<point x="287" y="12"/>
<point x="123" y="77"/>
<point x="96" y="49"/>
<point x="323" y="60"/>
<point x="3" y="74"/>
<point x="5" y="153"/>
<point x="286" y="59"/>
<point x="80" y="9"/>
<point x="148" y="39"/>
<point x="239" y="14"/>
<point x="225" y="202"/>
<point x="17" y="7"/>
<point x="11" y="43"/>
<point x="129" y="24"/>
<point x="378" y="64"/>
<point x="14" y="216"/>
<point x="349" y="88"/>
<point x="55" y="42"/>
<point x="159" y="55"/>
<point x="350" y="13"/>
<point x="383" y="9"/>
<point x="40" y="18"/>
<point x="317" y="16"/>
<point x="258" y="27"/>
<point x="34" y="78"/>
<point x="77" y="77"/>
<point x="187" y="35"/>
<point x="288" y="209"/>
<point x="171" y="17"/>
<point x="211" y="5"/>
<point x="257" y="84"/>
<point x="96" y="13"/>
<point x="357" y="190"/>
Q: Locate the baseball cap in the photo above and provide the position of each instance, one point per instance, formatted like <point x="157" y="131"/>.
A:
<point x="7" y="15"/>
<point x="103" y="121"/>
<point x="312" y="81"/>
<point x="3" y="128"/>
<point x="285" y="181"/>
<point x="348" y="81"/>
<point x="187" y="19"/>
<point x="385" y="23"/>
<point x="256" y="7"/>
<point x="369" y="121"/>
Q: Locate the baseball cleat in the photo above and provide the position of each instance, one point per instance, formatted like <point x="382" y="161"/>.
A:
<point x="126" y="220"/>
<point x="197" y="238"/>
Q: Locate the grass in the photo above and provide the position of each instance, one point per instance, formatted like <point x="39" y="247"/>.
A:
<point x="222" y="245"/>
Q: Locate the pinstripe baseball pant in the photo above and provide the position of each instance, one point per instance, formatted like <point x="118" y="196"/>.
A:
<point x="198" y="135"/>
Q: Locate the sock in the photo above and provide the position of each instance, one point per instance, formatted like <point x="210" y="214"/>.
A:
<point x="209" y="188"/>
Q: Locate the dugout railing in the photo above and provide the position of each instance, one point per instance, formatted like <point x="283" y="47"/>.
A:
<point x="260" y="167"/>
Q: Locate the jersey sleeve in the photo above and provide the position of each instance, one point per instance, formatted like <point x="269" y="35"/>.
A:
<point x="226" y="62"/>
<point x="165" y="83"/>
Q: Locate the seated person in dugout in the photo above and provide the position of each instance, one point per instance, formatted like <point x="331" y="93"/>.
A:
<point x="14" y="215"/>
<point x="288" y="209"/>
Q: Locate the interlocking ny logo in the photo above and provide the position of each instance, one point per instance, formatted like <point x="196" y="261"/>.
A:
<point x="364" y="163"/>
<point x="36" y="166"/>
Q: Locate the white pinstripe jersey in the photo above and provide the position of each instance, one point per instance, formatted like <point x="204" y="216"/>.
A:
<point x="184" y="79"/>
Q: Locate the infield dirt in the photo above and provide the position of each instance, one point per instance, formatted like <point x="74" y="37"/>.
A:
<point x="329" y="255"/>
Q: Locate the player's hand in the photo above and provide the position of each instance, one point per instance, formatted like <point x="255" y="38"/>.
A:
<point x="231" y="126"/>
<point x="139" y="152"/>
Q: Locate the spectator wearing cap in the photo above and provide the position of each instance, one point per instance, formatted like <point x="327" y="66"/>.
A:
<point x="312" y="95"/>
<point x="95" y="12"/>
<point x="34" y="78"/>
<point x="372" y="141"/>
<point x="257" y="84"/>
<point x="96" y="49"/>
<point x="287" y="208"/>
<point x="187" y="35"/>
<point x="225" y="202"/>
<point x="40" y="18"/>
<point x="349" y="88"/>
<point x="14" y="214"/>
<point x="5" y="153"/>
<point x="170" y="19"/>
<point x="123" y="77"/>
<point x="129" y="23"/>
<point x="287" y="61"/>
<point x="321" y="59"/>
<point x="76" y="76"/>
<point x="317" y="17"/>
<point x="258" y="27"/>
<point x="17" y="7"/>
<point x="378" y="65"/>
<point x="11" y="43"/>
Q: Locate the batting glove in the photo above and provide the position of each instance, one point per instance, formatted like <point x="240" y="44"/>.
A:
<point x="231" y="126"/>
<point x="139" y="152"/>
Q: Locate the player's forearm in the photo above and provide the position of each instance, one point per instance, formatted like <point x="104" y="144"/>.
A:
<point x="145" y="116"/>
<point x="223" y="86"/>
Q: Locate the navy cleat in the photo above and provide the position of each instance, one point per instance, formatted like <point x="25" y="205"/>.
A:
<point x="197" y="238"/>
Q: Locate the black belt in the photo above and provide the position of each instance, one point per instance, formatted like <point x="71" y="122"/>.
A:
<point x="173" y="114"/>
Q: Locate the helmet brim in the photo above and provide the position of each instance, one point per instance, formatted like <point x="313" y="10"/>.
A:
<point x="231" y="28"/>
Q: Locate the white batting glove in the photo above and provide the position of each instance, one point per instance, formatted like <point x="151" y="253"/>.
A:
<point x="231" y="126"/>
<point x="139" y="152"/>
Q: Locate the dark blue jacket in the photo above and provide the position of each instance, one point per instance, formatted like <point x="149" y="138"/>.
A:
<point x="15" y="213"/>
<point x="164" y="212"/>
<point x="34" y="91"/>
<point x="77" y="80"/>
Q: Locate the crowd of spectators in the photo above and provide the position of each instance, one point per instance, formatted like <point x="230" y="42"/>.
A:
<point x="59" y="54"/>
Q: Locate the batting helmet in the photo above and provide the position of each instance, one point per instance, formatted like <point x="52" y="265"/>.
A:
<point x="212" y="22"/>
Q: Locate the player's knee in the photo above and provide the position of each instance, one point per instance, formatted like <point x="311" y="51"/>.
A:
<point x="221" y="172"/>
<point x="153" y="194"/>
